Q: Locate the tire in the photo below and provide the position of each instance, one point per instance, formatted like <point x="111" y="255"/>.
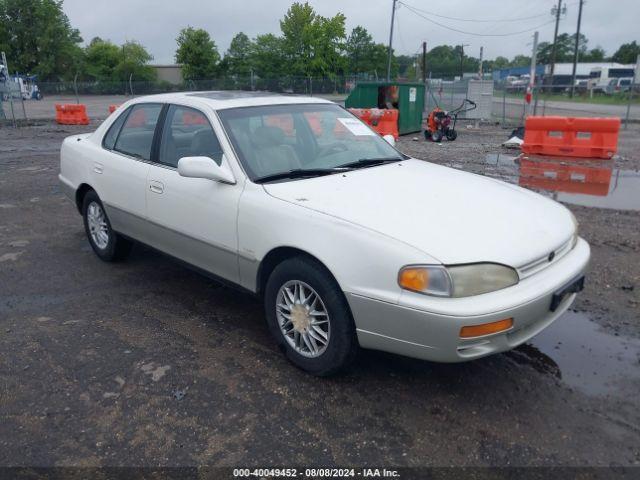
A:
<point x="107" y="244"/>
<point x="436" y="136"/>
<point x="427" y="135"/>
<point x="452" y="135"/>
<point x="340" y="345"/>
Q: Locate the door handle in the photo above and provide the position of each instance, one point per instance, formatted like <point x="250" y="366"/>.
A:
<point x="156" y="187"/>
<point x="98" y="167"/>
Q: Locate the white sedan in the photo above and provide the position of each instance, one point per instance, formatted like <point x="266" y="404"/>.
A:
<point x="349" y="242"/>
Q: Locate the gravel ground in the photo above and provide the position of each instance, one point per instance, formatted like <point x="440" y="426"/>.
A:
<point x="147" y="363"/>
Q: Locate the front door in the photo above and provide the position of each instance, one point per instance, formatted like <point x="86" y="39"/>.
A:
<point x="192" y="219"/>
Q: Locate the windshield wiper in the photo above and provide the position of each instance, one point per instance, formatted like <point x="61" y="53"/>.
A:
<point x="299" y="173"/>
<point x="369" y="162"/>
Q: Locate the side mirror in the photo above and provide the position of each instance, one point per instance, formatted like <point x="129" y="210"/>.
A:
<point x="204" y="167"/>
<point x="390" y="139"/>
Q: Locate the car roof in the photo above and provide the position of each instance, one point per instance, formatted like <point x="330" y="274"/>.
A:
<point x="224" y="99"/>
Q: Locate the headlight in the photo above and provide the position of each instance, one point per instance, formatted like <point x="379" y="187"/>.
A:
<point x="457" y="280"/>
<point x="574" y="239"/>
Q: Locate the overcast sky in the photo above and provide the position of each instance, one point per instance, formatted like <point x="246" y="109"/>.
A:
<point x="156" y="23"/>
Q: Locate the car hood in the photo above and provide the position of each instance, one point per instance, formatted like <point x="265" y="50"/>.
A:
<point x="451" y="215"/>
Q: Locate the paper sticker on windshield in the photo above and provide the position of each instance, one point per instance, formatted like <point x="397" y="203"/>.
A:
<point x="356" y="127"/>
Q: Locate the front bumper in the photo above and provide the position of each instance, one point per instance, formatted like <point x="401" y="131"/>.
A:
<point x="429" y="328"/>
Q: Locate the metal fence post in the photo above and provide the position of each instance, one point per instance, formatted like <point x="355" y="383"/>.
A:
<point x="13" y="113"/>
<point x="75" y="88"/>
<point x="24" y="110"/>
<point x="504" y="104"/>
<point x="629" y="102"/>
<point x="636" y="75"/>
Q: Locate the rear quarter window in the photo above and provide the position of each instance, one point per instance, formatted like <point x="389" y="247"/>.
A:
<point x="109" y="140"/>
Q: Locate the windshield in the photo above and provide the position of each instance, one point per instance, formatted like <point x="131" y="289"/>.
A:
<point x="275" y="139"/>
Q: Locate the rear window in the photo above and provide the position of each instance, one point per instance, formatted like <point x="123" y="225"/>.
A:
<point x="136" y="136"/>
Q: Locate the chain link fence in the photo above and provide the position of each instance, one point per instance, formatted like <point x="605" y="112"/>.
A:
<point x="497" y="101"/>
<point x="510" y="106"/>
<point x="293" y="85"/>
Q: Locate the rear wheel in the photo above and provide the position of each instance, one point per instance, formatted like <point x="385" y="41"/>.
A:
<point x="106" y="243"/>
<point x="309" y="317"/>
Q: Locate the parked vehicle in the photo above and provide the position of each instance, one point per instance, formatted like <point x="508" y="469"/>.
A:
<point x="349" y="242"/>
<point x="581" y="86"/>
<point x="617" y="85"/>
<point x="600" y="77"/>
<point x="20" y="86"/>
<point x="28" y="88"/>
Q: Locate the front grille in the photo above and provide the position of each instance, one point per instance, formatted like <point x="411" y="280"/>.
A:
<point x="543" y="262"/>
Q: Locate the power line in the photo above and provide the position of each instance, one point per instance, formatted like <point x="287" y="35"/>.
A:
<point x="476" y="20"/>
<point x="474" y="33"/>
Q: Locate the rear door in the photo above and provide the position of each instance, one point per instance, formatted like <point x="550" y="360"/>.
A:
<point x="122" y="169"/>
<point x="192" y="219"/>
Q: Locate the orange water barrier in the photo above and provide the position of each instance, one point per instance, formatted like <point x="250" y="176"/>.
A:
<point x="382" y="120"/>
<point x="71" y="114"/>
<point x="571" y="136"/>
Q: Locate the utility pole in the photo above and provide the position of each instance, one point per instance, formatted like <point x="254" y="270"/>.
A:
<point x="557" y="12"/>
<point x="393" y="17"/>
<point x="480" y="67"/>
<point x="424" y="62"/>
<point x="575" y="51"/>
<point x="532" y="72"/>
<point x="462" y="45"/>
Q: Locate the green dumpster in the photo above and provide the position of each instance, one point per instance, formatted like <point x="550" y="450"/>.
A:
<point x="408" y="98"/>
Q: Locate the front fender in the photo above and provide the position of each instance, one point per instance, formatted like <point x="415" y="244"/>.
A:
<point x="363" y="261"/>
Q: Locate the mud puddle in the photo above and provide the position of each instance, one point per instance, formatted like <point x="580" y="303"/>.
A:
<point x="576" y="350"/>
<point x="585" y="182"/>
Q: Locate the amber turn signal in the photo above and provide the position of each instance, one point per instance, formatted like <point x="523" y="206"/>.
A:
<point x="486" y="328"/>
<point x="416" y="279"/>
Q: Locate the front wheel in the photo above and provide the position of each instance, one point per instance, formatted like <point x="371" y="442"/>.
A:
<point x="309" y="317"/>
<point x="451" y="134"/>
<point x="106" y="243"/>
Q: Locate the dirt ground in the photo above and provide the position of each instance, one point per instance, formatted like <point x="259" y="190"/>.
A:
<point x="148" y="363"/>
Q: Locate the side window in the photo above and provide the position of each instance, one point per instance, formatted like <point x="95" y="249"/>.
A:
<point x="109" y="140"/>
<point x="187" y="133"/>
<point x="136" y="136"/>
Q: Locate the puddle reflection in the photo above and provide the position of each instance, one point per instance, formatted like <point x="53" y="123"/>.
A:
<point x="576" y="350"/>
<point x="586" y="182"/>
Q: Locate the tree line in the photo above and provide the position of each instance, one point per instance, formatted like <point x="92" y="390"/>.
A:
<point x="39" y="39"/>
